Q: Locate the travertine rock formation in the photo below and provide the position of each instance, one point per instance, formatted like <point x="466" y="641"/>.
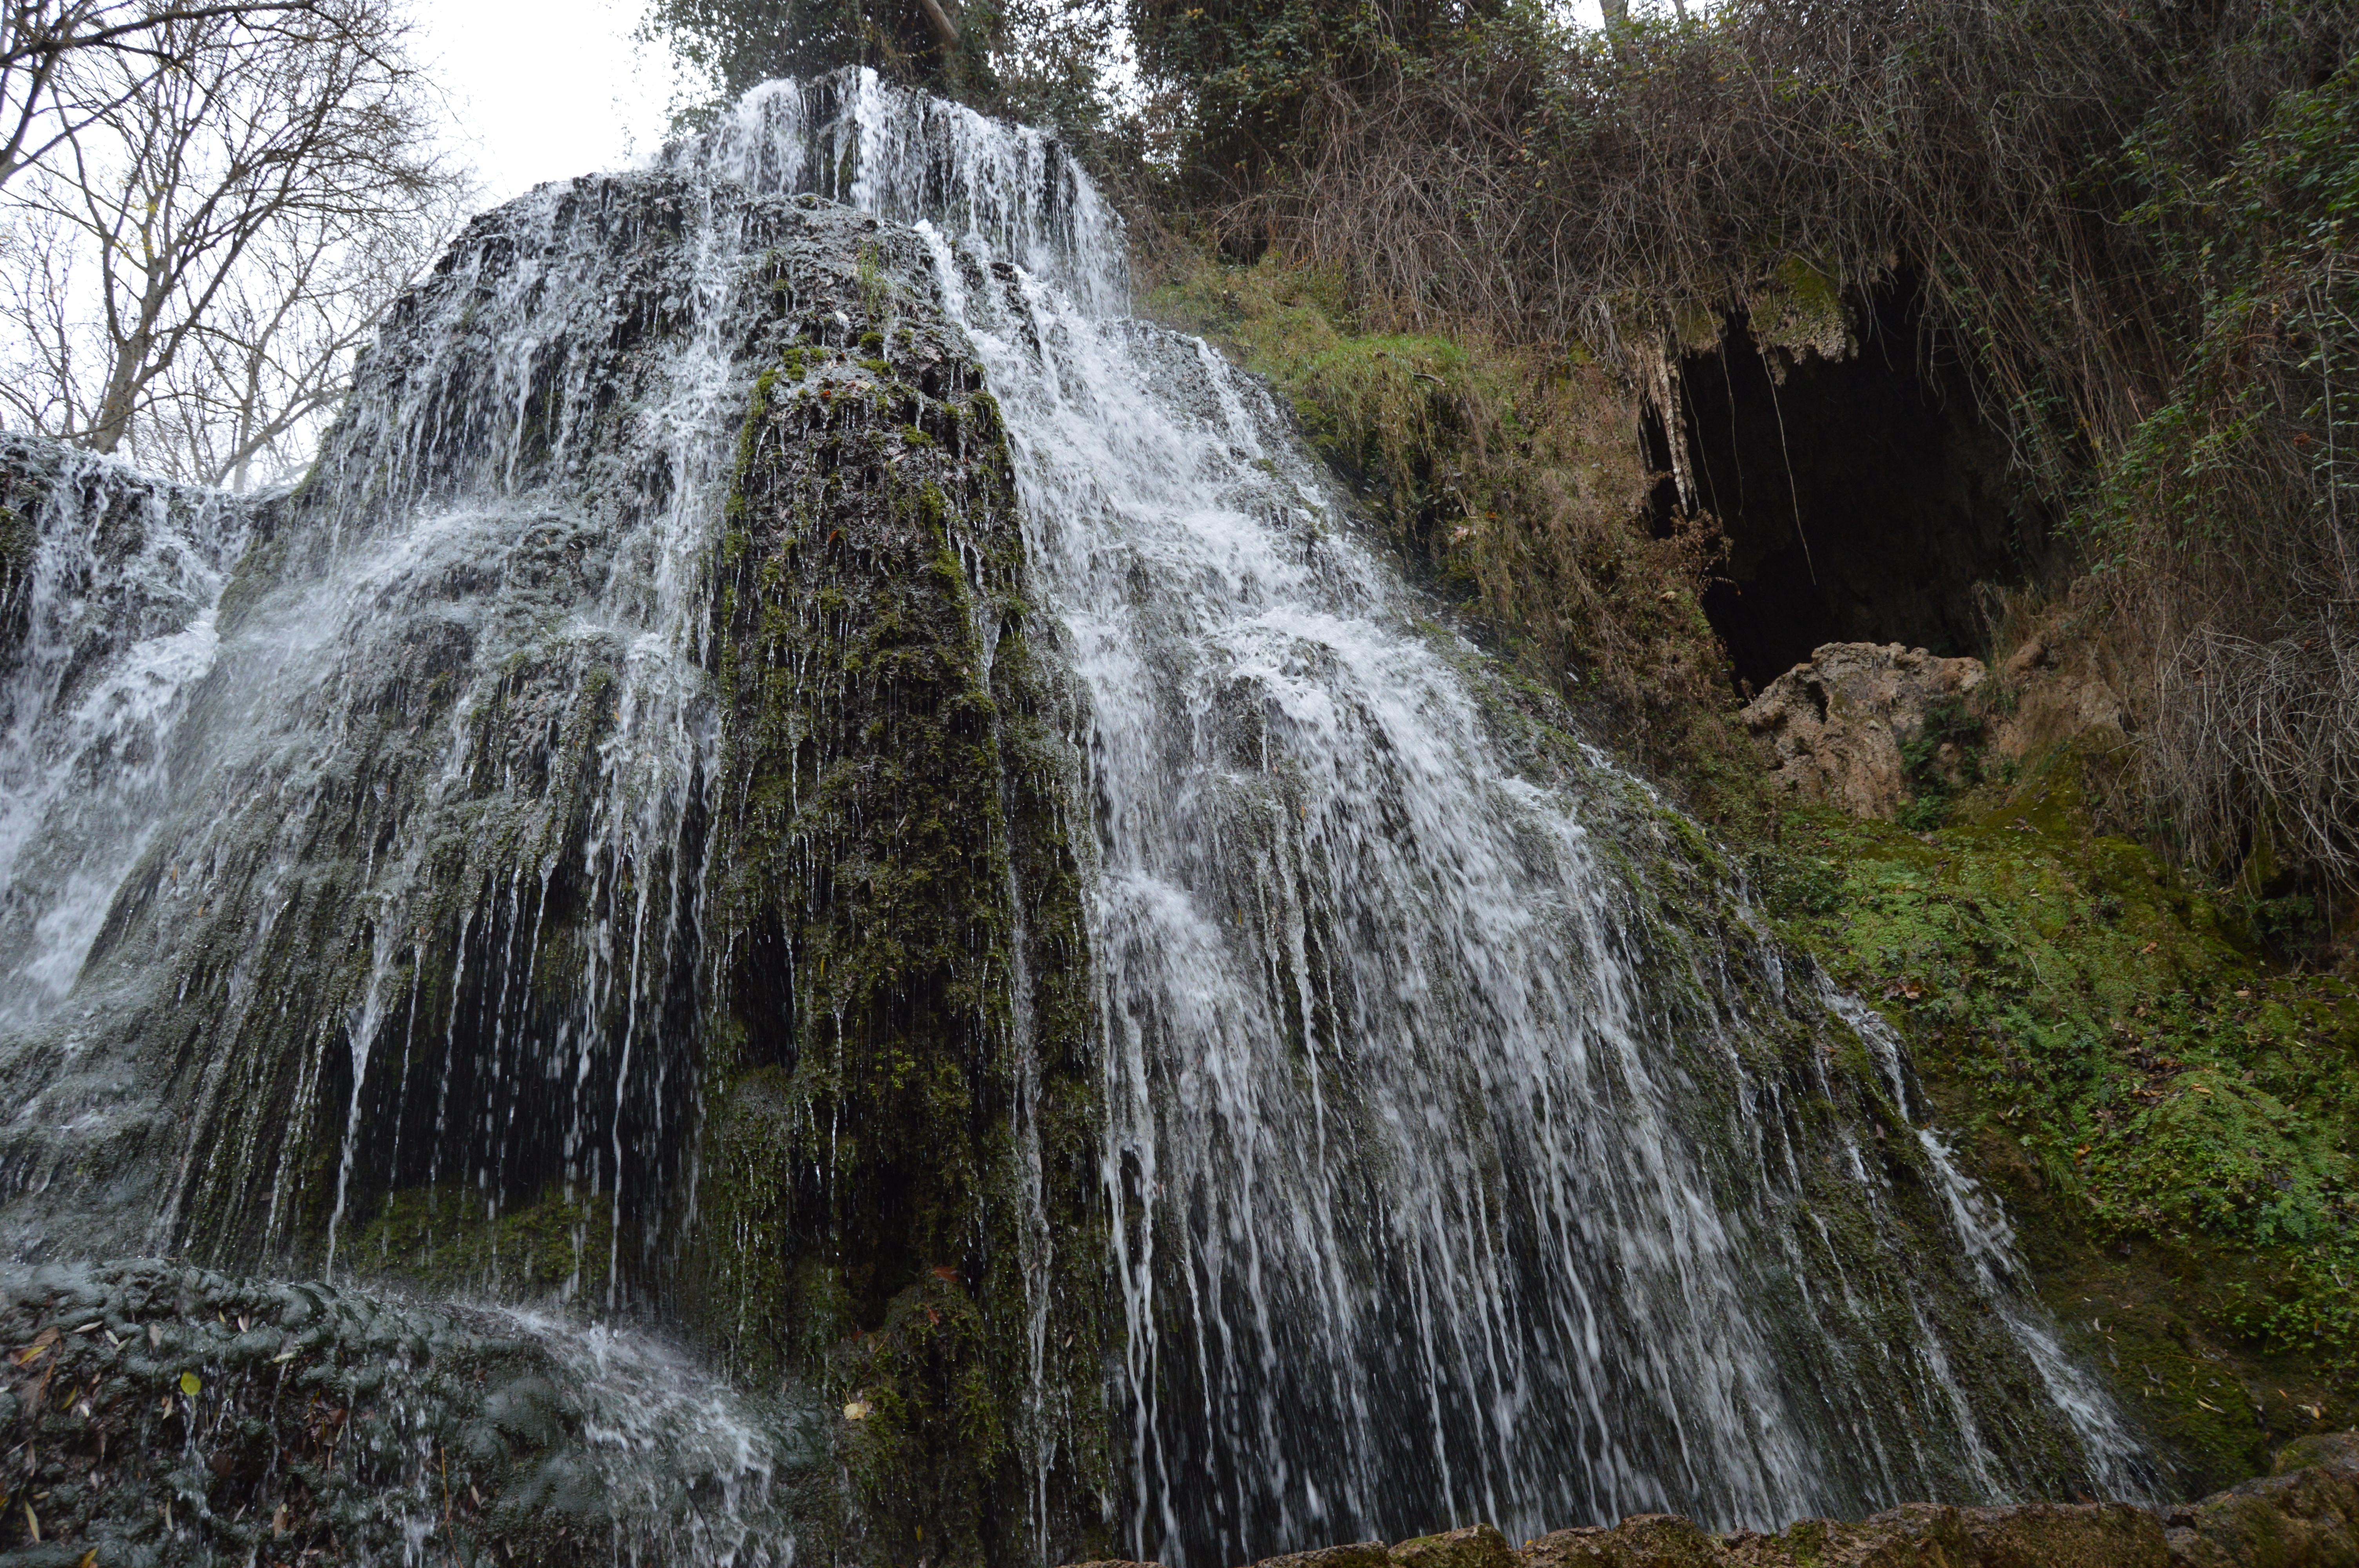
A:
<point x="1832" y="729"/>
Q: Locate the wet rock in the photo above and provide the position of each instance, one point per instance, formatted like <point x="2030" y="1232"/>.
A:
<point x="1360" y="1554"/>
<point x="1642" y="1541"/>
<point x="1476" y="1546"/>
<point x="168" y="1415"/>
<point x="2066" y="1535"/>
<point x="2304" y="1516"/>
<point x="1831" y="730"/>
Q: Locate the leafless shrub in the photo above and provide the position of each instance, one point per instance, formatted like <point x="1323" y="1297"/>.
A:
<point x="1585" y="187"/>
<point x="65" y="62"/>
<point x="1623" y="189"/>
<point x="2262" y="737"/>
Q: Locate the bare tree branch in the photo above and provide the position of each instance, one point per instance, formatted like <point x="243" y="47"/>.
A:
<point x="218" y="234"/>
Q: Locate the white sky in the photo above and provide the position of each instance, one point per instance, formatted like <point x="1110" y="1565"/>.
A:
<point x="545" y="89"/>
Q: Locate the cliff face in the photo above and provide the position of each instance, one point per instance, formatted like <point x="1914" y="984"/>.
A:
<point x="615" y="855"/>
<point x="798" y="784"/>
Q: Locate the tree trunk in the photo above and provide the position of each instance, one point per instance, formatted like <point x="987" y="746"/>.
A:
<point x="945" y="30"/>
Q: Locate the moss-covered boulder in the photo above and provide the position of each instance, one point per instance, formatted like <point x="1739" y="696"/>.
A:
<point x="160" y="1414"/>
<point x="2305" y="1516"/>
<point x="895" y="1197"/>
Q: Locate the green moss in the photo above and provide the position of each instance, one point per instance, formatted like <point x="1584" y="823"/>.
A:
<point x="451" y="1240"/>
<point x="2170" y="1121"/>
<point x="892" y="865"/>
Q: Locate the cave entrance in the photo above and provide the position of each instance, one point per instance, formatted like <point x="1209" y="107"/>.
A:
<point x="1861" y="500"/>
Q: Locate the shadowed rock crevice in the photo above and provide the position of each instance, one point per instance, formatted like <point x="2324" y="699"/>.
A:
<point x="1861" y="498"/>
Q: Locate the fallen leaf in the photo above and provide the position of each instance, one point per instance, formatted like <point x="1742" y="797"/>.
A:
<point x="858" y="1410"/>
<point x="155" y="1336"/>
<point x="191" y="1384"/>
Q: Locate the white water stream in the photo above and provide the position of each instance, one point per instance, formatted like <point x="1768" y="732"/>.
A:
<point x="1417" y="1221"/>
<point x="1467" y="1153"/>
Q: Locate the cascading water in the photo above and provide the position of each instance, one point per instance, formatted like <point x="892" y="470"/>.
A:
<point x="1435" y="1136"/>
<point x="1450" y="1184"/>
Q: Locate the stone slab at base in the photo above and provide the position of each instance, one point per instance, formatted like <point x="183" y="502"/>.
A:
<point x="2305" y="1516"/>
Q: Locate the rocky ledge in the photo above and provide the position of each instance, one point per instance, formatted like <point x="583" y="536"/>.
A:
<point x="2305" y="1515"/>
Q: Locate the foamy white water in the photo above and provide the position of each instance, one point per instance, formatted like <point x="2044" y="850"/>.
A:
<point x="1446" y="1189"/>
<point x="1469" y="1153"/>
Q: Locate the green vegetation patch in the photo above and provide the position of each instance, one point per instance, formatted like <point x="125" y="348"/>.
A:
<point x="453" y="1241"/>
<point x="2170" y="1119"/>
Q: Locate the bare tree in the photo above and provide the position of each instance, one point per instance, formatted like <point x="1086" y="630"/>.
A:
<point x="214" y="236"/>
<point x="48" y="46"/>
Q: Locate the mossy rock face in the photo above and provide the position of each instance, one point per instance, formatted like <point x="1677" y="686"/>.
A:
<point x="898" y="1189"/>
<point x="1476" y="1546"/>
<point x="636" y="902"/>
<point x="2170" y="1119"/>
<point x="446" y="1239"/>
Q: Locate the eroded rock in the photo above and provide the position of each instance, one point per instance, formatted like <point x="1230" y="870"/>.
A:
<point x="157" y="1414"/>
<point x="1476" y="1546"/>
<point x="1836" y="729"/>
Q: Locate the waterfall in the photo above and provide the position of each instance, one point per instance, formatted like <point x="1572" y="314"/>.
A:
<point x="1451" y="1181"/>
<point x="1463" y="1147"/>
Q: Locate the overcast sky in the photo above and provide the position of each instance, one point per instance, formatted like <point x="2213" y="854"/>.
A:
<point x="546" y="89"/>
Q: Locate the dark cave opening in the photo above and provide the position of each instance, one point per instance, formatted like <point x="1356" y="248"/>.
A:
<point x="1861" y="500"/>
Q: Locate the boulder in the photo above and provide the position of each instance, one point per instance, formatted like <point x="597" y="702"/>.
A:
<point x="2058" y="691"/>
<point x="1476" y="1546"/>
<point x="2066" y="1535"/>
<point x="2305" y="1516"/>
<point x="1359" y="1554"/>
<point x="1831" y="730"/>
<point x="1642" y="1540"/>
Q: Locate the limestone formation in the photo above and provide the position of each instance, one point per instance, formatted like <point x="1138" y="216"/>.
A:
<point x="1835" y="730"/>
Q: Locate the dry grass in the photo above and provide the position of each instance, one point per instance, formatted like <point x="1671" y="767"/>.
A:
<point x="2050" y="173"/>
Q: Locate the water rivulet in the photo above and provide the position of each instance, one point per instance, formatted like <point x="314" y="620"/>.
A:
<point x="797" y="785"/>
